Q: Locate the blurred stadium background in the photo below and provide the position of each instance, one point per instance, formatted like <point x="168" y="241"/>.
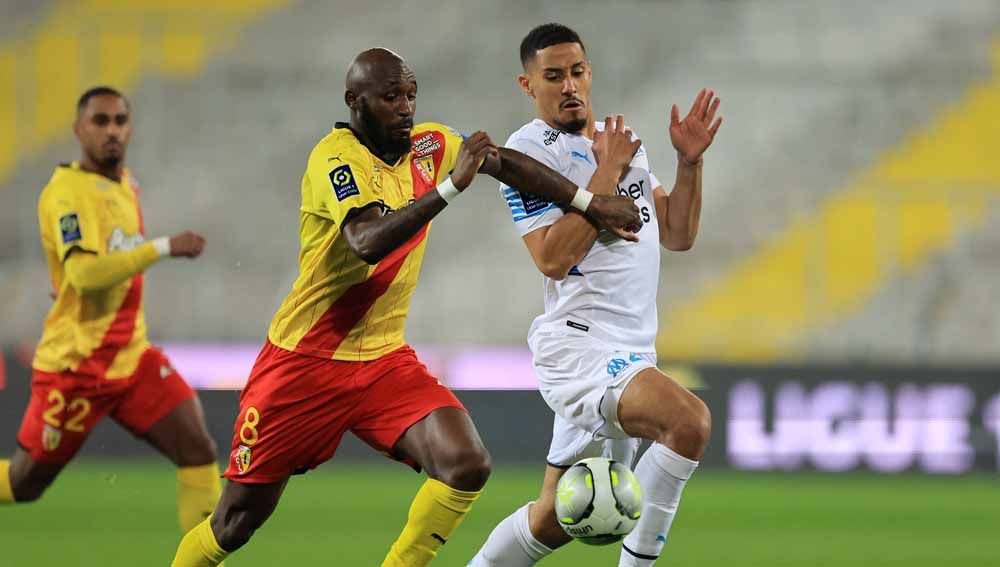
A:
<point x="838" y="312"/>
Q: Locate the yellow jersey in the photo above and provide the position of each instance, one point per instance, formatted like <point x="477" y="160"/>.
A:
<point x="101" y="333"/>
<point x="341" y="307"/>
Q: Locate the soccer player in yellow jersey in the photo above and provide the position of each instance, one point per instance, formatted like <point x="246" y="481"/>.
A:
<point x="335" y="359"/>
<point x="93" y="359"/>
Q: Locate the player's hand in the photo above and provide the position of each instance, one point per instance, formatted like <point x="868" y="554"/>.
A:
<point x="471" y="155"/>
<point x="693" y="135"/>
<point x="617" y="214"/>
<point x="614" y="146"/>
<point x="187" y="244"/>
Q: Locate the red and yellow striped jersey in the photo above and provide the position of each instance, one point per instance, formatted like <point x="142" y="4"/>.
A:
<point x="340" y="307"/>
<point x="101" y="333"/>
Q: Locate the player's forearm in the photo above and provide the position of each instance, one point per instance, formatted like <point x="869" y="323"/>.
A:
<point x="566" y="242"/>
<point x="373" y="236"/>
<point x="531" y="176"/>
<point x="570" y="238"/>
<point x="89" y="273"/>
<point x="685" y="208"/>
<point x="610" y="211"/>
<point x="573" y="235"/>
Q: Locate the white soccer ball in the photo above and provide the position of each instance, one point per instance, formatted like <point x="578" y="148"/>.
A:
<point x="598" y="501"/>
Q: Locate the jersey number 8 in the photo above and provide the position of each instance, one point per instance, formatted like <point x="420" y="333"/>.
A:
<point x="248" y="431"/>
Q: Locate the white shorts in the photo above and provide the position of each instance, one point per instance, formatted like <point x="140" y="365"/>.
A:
<point x="582" y="379"/>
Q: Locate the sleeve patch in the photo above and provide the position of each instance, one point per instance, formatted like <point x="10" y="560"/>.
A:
<point x="69" y="226"/>
<point x="524" y="205"/>
<point x="343" y="182"/>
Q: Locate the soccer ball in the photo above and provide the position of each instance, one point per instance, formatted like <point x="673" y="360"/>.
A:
<point x="598" y="501"/>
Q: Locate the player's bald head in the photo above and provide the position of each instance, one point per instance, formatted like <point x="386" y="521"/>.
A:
<point x="381" y="93"/>
<point x="376" y="67"/>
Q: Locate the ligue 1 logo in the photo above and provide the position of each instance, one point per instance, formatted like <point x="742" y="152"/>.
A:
<point x="342" y="179"/>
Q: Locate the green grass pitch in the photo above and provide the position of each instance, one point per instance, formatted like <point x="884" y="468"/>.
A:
<point x="112" y="513"/>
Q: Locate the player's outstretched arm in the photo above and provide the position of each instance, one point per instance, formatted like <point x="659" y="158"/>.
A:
<point x="88" y="273"/>
<point x="680" y="212"/>
<point x="373" y="236"/>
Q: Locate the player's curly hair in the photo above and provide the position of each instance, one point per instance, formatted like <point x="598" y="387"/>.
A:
<point x="545" y="35"/>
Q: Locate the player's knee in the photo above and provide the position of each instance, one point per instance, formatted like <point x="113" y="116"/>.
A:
<point x="466" y="468"/>
<point x="690" y="429"/>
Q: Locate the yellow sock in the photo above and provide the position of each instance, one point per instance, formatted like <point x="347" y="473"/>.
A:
<point x="6" y="492"/>
<point x="199" y="548"/>
<point x="436" y="511"/>
<point x="198" y="490"/>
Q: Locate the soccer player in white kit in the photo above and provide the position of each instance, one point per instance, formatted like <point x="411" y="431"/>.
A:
<point x="593" y="348"/>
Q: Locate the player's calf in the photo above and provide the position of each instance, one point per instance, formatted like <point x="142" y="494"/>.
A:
<point x="542" y="521"/>
<point x="197" y="450"/>
<point x="529" y="534"/>
<point x="28" y="479"/>
<point x="655" y="407"/>
<point x="242" y="510"/>
<point x="182" y="436"/>
<point x="234" y="528"/>
<point x="447" y="445"/>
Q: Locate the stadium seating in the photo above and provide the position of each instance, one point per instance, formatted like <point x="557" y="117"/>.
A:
<point x="830" y="219"/>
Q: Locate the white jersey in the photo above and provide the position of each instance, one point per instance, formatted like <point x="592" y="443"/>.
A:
<point x="611" y="293"/>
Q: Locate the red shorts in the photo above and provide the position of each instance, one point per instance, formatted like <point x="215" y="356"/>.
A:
<point x="65" y="406"/>
<point x="295" y="409"/>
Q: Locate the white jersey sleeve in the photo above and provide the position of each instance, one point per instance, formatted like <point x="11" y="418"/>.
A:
<point x="531" y="212"/>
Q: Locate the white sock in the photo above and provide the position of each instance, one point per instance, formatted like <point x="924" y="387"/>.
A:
<point x="511" y="544"/>
<point x="662" y="474"/>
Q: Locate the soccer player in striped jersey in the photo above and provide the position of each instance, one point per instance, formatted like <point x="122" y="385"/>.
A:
<point x="335" y="359"/>
<point x="593" y="348"/>
<point x="94" y="359"/>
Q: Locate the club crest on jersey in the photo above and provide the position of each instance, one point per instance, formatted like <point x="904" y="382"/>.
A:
<point x="425" y="165"/>
<point x="243" y="459"/>
<point x="342" y="179"/>
<point x="51" y="438"/>
<point x="426" y="144"/>
<point x="69" y="226"/>
<point x="616" y="365"/>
